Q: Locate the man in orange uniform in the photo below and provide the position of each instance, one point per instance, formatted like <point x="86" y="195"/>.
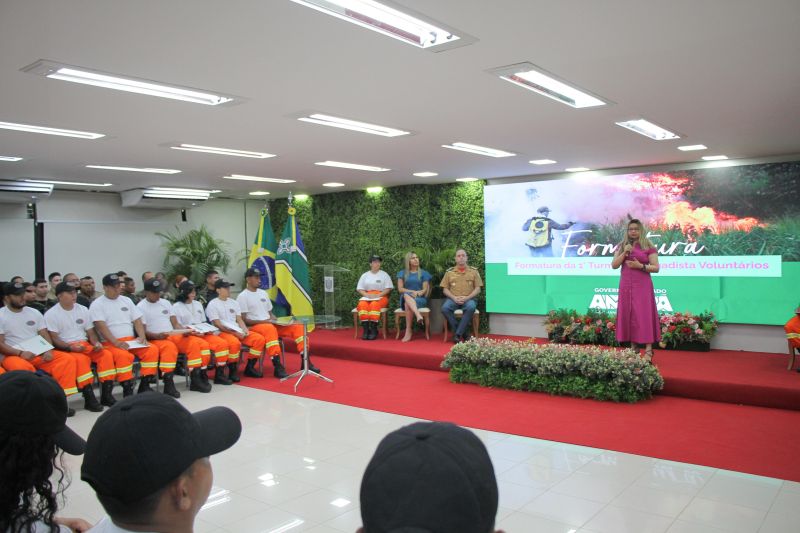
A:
<point x="71" y="329"/>
<point x="160" y="325"/>
<point x="792" y="328"/>
<point x="226" y="315"/>
<point x="19" y="324"/>
<point x="117" y="320"/>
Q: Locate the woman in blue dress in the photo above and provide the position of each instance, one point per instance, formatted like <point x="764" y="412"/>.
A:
<point x="413" y="284"/>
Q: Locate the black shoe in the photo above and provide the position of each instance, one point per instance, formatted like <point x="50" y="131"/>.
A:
<point x="169" y="386"/>
<point x="70" y="412"/>
<point x="279" y="370"/>
<point x="144" y="384"/>
<point x="251" y="371"/>
<point x="465" y="337"/>
<point x="196" y="382"/>
<point x="310" y="366"/>
<point x="179" y="370"/>
<point x="365" y="327"/>
<point x="90" y="402"/>
<point x="373" y="331"/>
<point x="233" y="372"/>
<point x="106" y="398"/>
<point x="127" y="388"/>
<point x="219" y="377"/>
<point x="457" y="339"/>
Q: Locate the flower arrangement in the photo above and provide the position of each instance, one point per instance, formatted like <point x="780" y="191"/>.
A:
<point x="684" y="328"/>
<point x="582" y="371"/>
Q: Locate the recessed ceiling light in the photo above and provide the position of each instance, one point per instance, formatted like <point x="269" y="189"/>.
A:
<point x="714" y="157"/>
<point x="425" y="174"/>
<point x="466" y="179"/>
<point x="60" y="71"/>
<point x="380" y="17"/>
<point x="221" y="151"/>
<point x="542" y="162"/>
<point x="374" y="190"/>
<point x="354" y="125"/>
<point x="215" y="191"/>
<point x="648" y="129"/>
<point x="137" y="169"/>
<point x="576" y="169"/>
<point x="538" y="80"/>
<point x="333" y="184"/>
<point x="258" y="193"/>
<point x="353" y="166"/>
<point x="80" y="183"/>
<point x="256" y="178"/>
<point x="480" y="150"/>
<point x="301" y="197"/>
<point x="50" y="131"/>
<point x="692" y="147"/>
<point x="9" y="158"/>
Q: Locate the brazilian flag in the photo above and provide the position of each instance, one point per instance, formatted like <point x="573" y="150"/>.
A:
<point x="262" y="255"/>
<point x="291" y="273"/>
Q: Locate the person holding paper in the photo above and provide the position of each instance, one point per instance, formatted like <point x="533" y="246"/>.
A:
<point x="374" y="287"/>
<point x="71" y="329"/>
<point x="226" y="315"/>
<point x="189" y="313"/>
<point x="637" y="316"/>
<point x="119" y="323"/>
<point x="25" y="344"/>
<point x="163" y="330"/>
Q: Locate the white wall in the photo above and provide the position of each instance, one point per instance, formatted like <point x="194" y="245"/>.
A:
<point x="16" y="239"/>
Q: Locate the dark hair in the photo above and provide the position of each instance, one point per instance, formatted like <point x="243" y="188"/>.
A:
<point x="210" y="273"/>
<point x="39" y="280"/>
<point x="145" y="272"/>
<point x="139" y="513"/>
<point x="52" y="275"/>
<point x="122" y="274"/>
<point x="26" y="493"/>
<point x="183" y="296"/>
<point x="84" y="278"/>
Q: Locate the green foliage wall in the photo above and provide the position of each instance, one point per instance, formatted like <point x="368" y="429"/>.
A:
<point x="346" y="228"/>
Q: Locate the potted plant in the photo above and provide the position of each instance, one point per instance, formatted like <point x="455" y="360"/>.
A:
<point x="193" y="254"/>
<point x="686" y="331"/>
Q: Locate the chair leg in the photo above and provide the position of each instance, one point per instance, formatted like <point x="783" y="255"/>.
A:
<point x="476" y="324"/>
<point x="427" y="320"/>
<point x="384" y="319"/>
<point x="445" y="330"/>
<point x="355" y="325"/>
<point x="791" y="355"/>
<point x="397" y="325"/>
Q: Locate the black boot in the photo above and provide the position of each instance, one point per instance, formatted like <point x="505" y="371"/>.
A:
<point x="169" y="386"/>
<point x="365" y="326"/>
<point x="204" y="376"/>
<point x="144" y="384"/>
<point x="233" y="372"/>
<point x="280" y="370"/>
<point x="251" y="371"/>
<point x="196" y="382"/>
<point x="219" y="377"/>
<point x="373" y="331"/>
<point x="70" y="412"/>
<point x="106" y="398"/>
<point x="90" y="402"/>
<point x="127" y="388"/>
<point x="310" y="366"/>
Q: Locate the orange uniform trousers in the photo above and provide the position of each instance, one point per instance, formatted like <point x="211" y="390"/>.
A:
<point x="62" y="367"/>
<point x="270" y="335"/>
<point x="254" y="341"/>
<point x="219" y="346"/>
<point x="792" y="329"/>
<point x="295" y="333"/>
<point x="196" y="349"/>
<point x="371" y="310"/>
<point x="106" y="370"/>
<point x="123" y="360"/>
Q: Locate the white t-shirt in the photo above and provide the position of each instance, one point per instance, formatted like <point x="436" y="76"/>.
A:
<point x="19" y="327"/>
<point x="70" y="326"/>
<point x="255" y="303"/>
<point x="379" y="281"/>
<point x="106" y="525"/>
<point x="219" y="310"/>
<point x="187" y="314"/>
<point x="156" y="315"/>
<point x="118" y="314"/>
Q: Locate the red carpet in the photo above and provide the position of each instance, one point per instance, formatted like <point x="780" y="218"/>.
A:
<point x="749" y="439"/>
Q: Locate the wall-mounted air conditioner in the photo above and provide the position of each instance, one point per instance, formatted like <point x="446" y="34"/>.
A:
<point x="164" y="198"/>
<point x="20" y="192"/>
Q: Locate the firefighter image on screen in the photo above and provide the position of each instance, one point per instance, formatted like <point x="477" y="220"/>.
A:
<point x="540" y="232"/>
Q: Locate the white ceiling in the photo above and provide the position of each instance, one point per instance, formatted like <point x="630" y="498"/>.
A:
<point x="725" y="73"/>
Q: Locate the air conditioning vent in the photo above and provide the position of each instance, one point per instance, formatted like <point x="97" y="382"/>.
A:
<point x="163" y="198"/>
<point x="18" y="192"/>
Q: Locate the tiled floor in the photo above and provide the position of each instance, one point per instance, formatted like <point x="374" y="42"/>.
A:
<point x="299" y="462"/>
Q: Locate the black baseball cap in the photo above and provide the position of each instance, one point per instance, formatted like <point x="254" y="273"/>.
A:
<point x="154" y="285"/>
<point x="221" y="283"/>
<point x="426" y="477"/>
<point x="375" y="257"/>
<point x="187" y="286"/>
<point x="145" y="441"/>
<point x="14" y="288"/>
<point x="110" y="280"/>
<point x="252" y="271"/>
<point x="34" y="404"/>
<point x="65" y="287"/>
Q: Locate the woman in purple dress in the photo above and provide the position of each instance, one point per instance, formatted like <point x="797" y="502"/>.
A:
<point x="637" y="317"/>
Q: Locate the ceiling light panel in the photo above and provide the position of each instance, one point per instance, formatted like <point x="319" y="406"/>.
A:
<point x="480" y="150"/>
<point x="242" y="177"/>
<point x="425" y="174"/>
<point x="45" y="130"/>
<point x="221" y="151"/>
<point x="136" y="169"/>
<point x="352" y="166"/>
<point x="353" y="125"/>
<point x="714" y="157"/>
<point x="538" y="80"/>
<point x="79" y="183"/>
<point x="692" y="147"/>
<point x="9" y="158"/>
<point x="394" y="21"/>
<point x="576" y="169"/>
<point x="333" y="184"/>
<point x="61" y="71"/>
<point x="258" y="193"/>
<point x="648" y="129"/>
<point x="466" y="180"/>
<point x="542" y="162"/>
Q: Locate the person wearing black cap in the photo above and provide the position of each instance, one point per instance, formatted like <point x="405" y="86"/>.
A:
<point x="374" y="287"/>
<point x="33" y="435"/>
<point x="19" y="324"/>
<point x="71" y="329"/>
<point x="434" y="477"/>
<point x="117" y="320"/>
<point x="226" y="315"/>
<point x="189" y="312"/>
<point x="160" y="325"/>
<point x="154" y="488"/>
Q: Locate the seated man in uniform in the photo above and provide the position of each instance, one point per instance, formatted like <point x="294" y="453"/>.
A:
<point x="87" y="293"/>
<point x="40" y="301"/>
<point x="54" y="279"/>
<point x="792" y="329"/>
<point x="129" y="289"/>
<point x="209" y="292"/>
<point x="461" y="285"/>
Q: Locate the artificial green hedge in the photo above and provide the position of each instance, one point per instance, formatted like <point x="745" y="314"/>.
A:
<point x="346" y="228"/>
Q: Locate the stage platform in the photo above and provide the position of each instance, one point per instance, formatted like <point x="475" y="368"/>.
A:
<point x="746" y="378"/>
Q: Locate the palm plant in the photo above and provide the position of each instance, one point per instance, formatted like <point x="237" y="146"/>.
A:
<point x="193" y="254"/>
